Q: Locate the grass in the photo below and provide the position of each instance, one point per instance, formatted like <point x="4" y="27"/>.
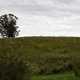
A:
<point x="65" y="76"/>
<point x="46" y="55"/>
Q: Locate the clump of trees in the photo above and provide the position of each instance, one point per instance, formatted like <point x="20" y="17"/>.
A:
<point x="8" y="26"/>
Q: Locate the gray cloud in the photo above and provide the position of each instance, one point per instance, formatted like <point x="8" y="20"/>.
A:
<point x="44" y="7"/>
<point x="45" y="17"/>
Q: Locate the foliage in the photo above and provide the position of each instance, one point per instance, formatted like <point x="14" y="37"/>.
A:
<point x="8" y="26"/>
<point x="46" y="55"/>
<point x="13" y="67"/>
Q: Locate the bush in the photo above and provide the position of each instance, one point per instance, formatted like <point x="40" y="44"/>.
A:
<point x="76" y="66"/>
<point x="13" y="67"/>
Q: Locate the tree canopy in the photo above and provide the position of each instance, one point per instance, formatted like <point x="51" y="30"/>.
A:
<point x="8" y="26"/>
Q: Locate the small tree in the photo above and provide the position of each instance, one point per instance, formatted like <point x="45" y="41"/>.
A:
<point x="8" y="26"/>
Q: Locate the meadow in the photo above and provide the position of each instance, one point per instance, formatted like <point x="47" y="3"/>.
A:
<point x="46" y="55"/>
<point x="65" y="76"/>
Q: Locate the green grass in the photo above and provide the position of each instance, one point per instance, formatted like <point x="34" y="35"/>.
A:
<point x="67" y="76"/>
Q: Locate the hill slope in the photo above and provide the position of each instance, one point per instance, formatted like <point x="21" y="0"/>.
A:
<point x="45" y="54"/>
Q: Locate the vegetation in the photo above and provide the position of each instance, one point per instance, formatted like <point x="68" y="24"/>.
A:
<point x="48" y="55"/>
<point x="8" y="26"/>
<point x="13" y="67"/>
<point x="65" y="76"/>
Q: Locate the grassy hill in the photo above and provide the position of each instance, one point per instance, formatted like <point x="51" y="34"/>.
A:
<point x="46" y="55"/>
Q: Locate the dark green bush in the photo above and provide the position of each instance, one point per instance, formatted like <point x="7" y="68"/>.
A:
<point x="13" y="67"/>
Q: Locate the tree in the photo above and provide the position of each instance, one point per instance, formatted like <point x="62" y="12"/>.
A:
<point x="8" y="26"/>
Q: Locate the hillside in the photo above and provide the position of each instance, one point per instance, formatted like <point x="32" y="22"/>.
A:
<point x="44" y="54"/>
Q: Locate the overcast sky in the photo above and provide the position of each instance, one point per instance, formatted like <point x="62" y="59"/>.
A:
<point x="45" y="17"/>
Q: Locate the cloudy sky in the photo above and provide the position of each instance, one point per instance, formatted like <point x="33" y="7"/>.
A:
<point x="45" y="17"/>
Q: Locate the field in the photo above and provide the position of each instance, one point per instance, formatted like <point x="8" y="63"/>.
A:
<point x="65" y="76"/>
<point x="46" y="55"/>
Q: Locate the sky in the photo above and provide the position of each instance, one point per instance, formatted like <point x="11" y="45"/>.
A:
<point x="45" y="17"/>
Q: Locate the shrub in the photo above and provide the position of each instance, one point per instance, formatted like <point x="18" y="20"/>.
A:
<point x="13" y="67"/>
<point x="76" y="66"/>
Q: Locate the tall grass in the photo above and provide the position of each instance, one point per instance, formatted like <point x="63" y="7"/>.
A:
<point x="46" y="55"/>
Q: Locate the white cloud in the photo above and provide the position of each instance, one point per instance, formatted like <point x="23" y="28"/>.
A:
<point x="49" y="26"/>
